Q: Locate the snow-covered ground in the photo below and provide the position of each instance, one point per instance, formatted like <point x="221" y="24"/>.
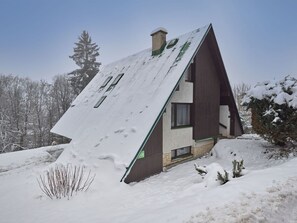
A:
<point x="266" y="193"/>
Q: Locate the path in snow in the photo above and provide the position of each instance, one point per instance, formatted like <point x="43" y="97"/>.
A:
<point x="278" y="205"/>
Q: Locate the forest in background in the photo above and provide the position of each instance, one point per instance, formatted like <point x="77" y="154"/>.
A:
<point x="29" y="109"/>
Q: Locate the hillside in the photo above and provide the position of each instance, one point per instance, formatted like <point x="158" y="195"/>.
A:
<point x="267" y="192"/>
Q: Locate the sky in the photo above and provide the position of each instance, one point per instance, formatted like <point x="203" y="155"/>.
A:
<point x="257" y="39"/>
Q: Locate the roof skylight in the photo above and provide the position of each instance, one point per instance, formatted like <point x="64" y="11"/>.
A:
<point x="116" y="80"/>
<point x="172" y="43"/>
<point x="106" y="82"/>
<point x="99" y="102"/>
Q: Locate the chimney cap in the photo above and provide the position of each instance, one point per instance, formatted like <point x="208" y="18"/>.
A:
<point x="159" y="29"/>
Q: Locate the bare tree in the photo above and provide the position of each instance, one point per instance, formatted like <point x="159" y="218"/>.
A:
<point x="29" y="109"/>
<point x="239" y="91"/>
<point x="62" y="94"/>
<point x="61" y="98"/>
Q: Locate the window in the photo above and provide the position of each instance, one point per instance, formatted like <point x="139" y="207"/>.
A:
<point x="116" y="80"/>
<point x="188" y="74"/>
<point x="106" y="82"/>
<point x="180" y="115"/>
<point x="181" y="152"/>
<point x="172" y="43"/>
<point x="99" y="102"/>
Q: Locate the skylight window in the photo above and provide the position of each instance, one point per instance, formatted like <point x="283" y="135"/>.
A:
<point x="106" y="82"/>
<point x="99" y="102"/>
<point x="116" y="80"/>
<point x="172" y="43"/>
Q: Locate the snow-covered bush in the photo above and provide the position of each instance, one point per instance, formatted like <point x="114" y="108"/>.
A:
<point x="212" y="175"/>
<point x="274" y="110"/>
<point x="223" y="178"/>
<point x="64" y="181"/>
<point x="201" y="170"/>
<point x="237" y="168"/>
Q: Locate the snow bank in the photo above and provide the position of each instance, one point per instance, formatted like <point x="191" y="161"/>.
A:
<point x="211" y="178"/>
<point x="267" y="192"/>
<point x="14" y="160"/>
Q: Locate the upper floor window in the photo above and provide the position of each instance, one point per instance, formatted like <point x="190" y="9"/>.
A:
<point x="188" y="74"/>
<point x="116" y="80"/>
<point x="180" y="115"/>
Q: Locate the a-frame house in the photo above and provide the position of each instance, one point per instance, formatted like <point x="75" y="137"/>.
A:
<point x="156" y="108"/>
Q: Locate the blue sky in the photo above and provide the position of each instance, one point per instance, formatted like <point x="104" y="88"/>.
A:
<point x="257" y="39"/>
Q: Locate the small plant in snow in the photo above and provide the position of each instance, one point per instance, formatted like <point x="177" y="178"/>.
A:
<point x="223" y="178"/>
<point x="64" y="181"/>
<point x="201" y="170"/>
<point x="237" y="168"/>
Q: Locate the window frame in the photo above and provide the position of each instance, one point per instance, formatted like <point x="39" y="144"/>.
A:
<point x="100" y="101"/>
<point x="174" y="116"/>
<point x="107" y="80"/>
<point x="115" y="82"/>
<point x="175" y="151"/>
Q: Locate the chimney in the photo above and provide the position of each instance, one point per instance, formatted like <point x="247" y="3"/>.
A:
<point x="158" y="40"/>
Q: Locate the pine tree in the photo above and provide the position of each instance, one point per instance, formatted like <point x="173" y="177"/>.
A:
<point x="85" y="53"/>
<point x="274" y="110"/>
<point x="223" y="178"/>
<point x="237" y="168"/>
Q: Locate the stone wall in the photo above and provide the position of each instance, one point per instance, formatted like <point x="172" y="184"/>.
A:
<point x="199" y="149"/>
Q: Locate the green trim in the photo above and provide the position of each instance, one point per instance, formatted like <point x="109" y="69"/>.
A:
<point x="159" y="51"/>
<point x="164" y="107"/>
<point x="141" y="155"/>
<point x="183" y="50"/>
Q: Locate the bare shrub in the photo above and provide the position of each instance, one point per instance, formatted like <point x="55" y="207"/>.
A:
<point x="63" y="181"/>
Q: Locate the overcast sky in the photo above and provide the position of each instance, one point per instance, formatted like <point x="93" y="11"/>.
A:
<point x="257" y="39"/>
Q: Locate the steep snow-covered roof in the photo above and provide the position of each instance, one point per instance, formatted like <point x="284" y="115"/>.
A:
<point x="117" y="128"/>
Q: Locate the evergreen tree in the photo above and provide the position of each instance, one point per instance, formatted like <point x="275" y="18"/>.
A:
<point x="85" y="53"/>
<point x="274" y="110"/>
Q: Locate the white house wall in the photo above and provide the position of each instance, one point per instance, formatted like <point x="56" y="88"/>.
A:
<point x="225" y="120"/>
<point x="181" y="137"/>
<point x="178" y="137"/>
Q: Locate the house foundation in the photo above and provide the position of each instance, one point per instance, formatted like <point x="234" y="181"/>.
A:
<point x="200" y="148"/>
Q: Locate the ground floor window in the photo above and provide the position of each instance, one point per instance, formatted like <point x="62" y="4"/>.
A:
<point x="181" y="152"/>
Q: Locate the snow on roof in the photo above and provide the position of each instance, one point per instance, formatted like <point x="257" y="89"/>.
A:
<point x="162" y="29"/>
<point x="117" y="128"/>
